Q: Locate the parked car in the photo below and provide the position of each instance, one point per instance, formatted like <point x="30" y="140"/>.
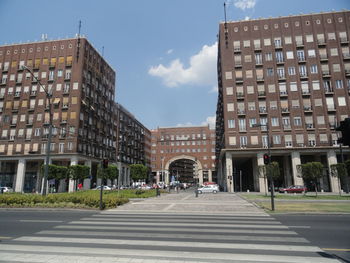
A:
<point x="6" y="189"/>
<point x="105" y="187"/>
<point x="208" y="189"/>
<point x="293" y="189"/>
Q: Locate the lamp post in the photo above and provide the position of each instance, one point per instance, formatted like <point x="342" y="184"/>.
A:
<point x="48" y="145"/>
<point x="269" y="161"/>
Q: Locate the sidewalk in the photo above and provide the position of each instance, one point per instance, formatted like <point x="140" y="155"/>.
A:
<point x="186" y="202"/>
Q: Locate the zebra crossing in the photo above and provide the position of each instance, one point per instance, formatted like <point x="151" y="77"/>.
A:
<point x="123" y="235"/>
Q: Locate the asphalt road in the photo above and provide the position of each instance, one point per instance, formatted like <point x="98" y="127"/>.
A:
<point x="19" y="222"/>
<point x="328" y="231"/>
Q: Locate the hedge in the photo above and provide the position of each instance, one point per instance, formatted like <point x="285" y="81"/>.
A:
<point x="80" y="199"/>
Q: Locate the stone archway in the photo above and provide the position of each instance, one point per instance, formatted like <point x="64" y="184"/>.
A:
<point x="198" y="169"/>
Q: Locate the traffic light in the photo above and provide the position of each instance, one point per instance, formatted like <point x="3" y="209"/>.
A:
<point x="344" y="128"/>
<point x="105" y="163"/>
<point x="266" y="159"/>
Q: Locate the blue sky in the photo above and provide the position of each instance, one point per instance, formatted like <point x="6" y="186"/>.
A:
<point x="164" y="51"/>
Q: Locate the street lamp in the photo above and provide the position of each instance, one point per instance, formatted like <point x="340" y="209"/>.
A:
<point x="48" y="145"/>
<point x="269" y="160"/>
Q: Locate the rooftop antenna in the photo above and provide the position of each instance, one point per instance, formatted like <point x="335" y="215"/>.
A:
<point x="78" y="44"/>
<point x="226" y="31"/>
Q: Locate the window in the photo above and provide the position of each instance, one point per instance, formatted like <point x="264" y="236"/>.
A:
<point x="243" y="141"/>
<point x="228" y="75"/>
<point x="311" y="53"/>
<point x="295" y="104"/>
<point x="231" y="124"/>
<point x="330" y="103"/>
<point x="229" y="91"/>
<point x="267" y="42"/>
<point x="331" y="36"/>
<point x="242" y="125"/>
<point x="320" y="120"/>
<point x="288" y="40"/>
<point x="232" y="140"/>
<point x="299" y="40"/>
<point x="297" y="121"/>
<point x="280" y="73"/>
<point x="290" y="55"/>
<point x="251" y="106"/>
<point x="246" y="43"/>
<point x="336" y="67"/>
<point x="268" y="56"/>
<point x="315" y="84"/>
<point x="272" y="88"/>
<point x="334" y="52"/>
<point x="278" y="42"/>
<point x="279" y="57"/>
<point x="247" y="58"/>
<point x="341" y="101"/>
<point x="252" y="122"/>
<point x="276" y="139"/>
<point x="309" y="38"/>
<point x="230" y="107"/>
<point x="302" y="71"/>
<point x="338" y="84"/>
<point x="249" y="74"/>
<point x="269" y="72"/>
<point x="258" y="58"/>
<point x="274" y="122"/>
<point x="301" y="55"/>
<point x="313" y="69"/>
<point x="291" y="71"/>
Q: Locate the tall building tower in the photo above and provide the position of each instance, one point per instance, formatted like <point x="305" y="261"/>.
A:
<point x="82" y="86"/>
<point x="284" y="84"/>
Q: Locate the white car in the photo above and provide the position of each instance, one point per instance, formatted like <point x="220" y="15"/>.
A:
<point x="105" y="187"/>
<point x="5" y="189"/>
<point x="208" y="189"/>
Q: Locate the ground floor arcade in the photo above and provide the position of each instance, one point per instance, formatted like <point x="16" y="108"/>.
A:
<point x="23" y="174"/>
<point x="238" y="170"/>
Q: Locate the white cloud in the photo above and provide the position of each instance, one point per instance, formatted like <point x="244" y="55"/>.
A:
<point x="247" y="18"/>
<point x="214" y="89"/>
<point x="170" y="51"/>
<point x="211" y="120"/>
<point x="187" y="124"/>
<point x="201" y="70"/>
<point x="245" y="4"/>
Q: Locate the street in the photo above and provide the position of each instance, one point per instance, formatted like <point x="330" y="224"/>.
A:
<point x="331" y="232"/>
<point x="172" y="228"/>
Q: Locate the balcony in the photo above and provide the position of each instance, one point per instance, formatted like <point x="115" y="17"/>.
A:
<point x="306" y="93"/>
<point x="240" y="112"/>
<point x="323" y="57"/>
<point x="331" y="108"/>
<point x="283" y="94"/>
<point x="261" y="94"/>
<point x="257" y="47"/>
<point x="329" y="91"/>
<point x="258" y="63"/>
<point x="301" y="59"/>
<point x="52" y="65"/>
<point x="281" y="77"/>
<point x="68" y="63"/>
<point x="310" y="126"/>
<point x="287" y="127"/>
<point x="299" y="44"/>
<point x="239" y="80"/>
<point x="347" y="72"/>
<point x="260" y="79"/>
<point x="307" y="109"/>
<point x="278" y="46"/>
<point x="262" y="110"/>
<point x="280" y="61"/>
<point x="238" y="65"/>
<point x="344" y="40"/>
<point x="303" y="75"/>
<point x="321" y="42"/>
<point x="240" y="95"/>
<point x="236" y="50"/>
<point x="285" y="110"/>
<point x="326" y="74"/>
<point x="346" y="56"/>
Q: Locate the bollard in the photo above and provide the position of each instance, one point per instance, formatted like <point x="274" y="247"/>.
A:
<point x="158" y="191"/>
<point x="196" y="191"/>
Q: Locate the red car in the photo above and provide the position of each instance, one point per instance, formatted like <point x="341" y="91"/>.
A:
<point x="293" y="189"/>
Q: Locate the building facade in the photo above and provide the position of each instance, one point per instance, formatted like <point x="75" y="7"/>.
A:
<point x="134" y="144"/>
<point x="185" y="154"/>
<point x="284" y="84"/>
<point x="82" y="86"/>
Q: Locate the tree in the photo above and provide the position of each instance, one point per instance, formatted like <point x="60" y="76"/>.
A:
<point x="78" y="172"/>
<point x="339" y="170"/>
<point x="55" y="172"/>
<point x="138" y="172"/>
<point x="109" y="173"/>
<point x="311" y="171"/>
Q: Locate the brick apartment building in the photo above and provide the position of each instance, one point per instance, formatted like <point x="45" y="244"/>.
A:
<point x="82" y="85"/>
<point x="185" y="154"/>
<point x="134" y="144"/>
<point x="290" y="75"/>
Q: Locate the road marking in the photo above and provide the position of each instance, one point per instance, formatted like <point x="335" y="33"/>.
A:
<point x="177" y="224"/>
<point x="83" y="252"/>
<point x="336" y="249"/>
<point x="177" y="244"/>
<point x="303" y="227"/>
<point x="5" y="237"/>
<point x="141" y="220"/>
<point x="167" y="208"/>
<point x="180" y="217"/>
<point x="172" y="235"/>
<point x="41" y="221"/>
<point x="177" y="229"/>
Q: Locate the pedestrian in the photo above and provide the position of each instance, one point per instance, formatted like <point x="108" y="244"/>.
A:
<point x="80" y="186"/>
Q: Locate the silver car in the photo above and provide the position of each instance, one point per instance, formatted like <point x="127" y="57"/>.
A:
<point x="5" y="189"/>
<point x="208" y="189"/>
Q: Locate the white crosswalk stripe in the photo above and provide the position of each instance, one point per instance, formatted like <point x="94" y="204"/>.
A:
<point x="131" y="236"/>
